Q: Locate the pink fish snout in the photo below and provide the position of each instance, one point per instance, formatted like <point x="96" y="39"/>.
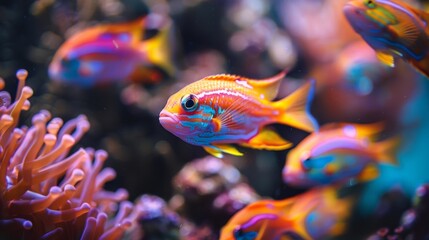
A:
<point x="167" y="119"/>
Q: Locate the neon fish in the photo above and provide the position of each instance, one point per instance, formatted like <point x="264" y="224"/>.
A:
<point x="338" y="153"/>
<point x="392" y="28"/>
<point x="316" y="214"/>
<point x="221" y="110"/>
<point x="107" y="53"/>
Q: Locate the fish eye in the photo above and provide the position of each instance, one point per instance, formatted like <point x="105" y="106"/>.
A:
<point x="65" y="61"/>
<point x="306" y="163"/>
<point x="189" y="102"/>
<point x="370" y="3"/>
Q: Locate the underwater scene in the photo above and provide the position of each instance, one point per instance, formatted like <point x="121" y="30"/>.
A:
<point x="214" y="119"/>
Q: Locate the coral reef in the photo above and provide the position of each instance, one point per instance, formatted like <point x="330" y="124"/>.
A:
<point x="414" y="221"/>
<point x="209" y="191"/>
<point x="48" y="189"/>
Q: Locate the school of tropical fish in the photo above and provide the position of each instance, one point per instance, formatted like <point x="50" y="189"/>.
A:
<point x="250" y="119"/>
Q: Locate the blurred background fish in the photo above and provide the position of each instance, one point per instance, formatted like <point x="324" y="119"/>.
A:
<point x="339" y="153"/>
<point x="394" y="29"/>
<point x="317" y="214"/>
<point x="116" y="52"/>
<point x="220" y="110"/>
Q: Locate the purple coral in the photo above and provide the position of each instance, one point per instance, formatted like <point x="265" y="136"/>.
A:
<point x="48" y="192"/>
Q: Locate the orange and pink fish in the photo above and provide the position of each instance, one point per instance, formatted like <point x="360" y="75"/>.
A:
<point x="393" y="29"/>
<point x="316" y="214"/>
<point x="338" y="153"/>
<point x="221" y="110"/>
<point x="117" y="52"/>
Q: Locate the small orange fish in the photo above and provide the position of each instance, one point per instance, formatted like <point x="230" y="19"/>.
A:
<point x="316" y="214"/>
<point x="220" y="110"/>
<point x="392" y="28"/>
<point x="112" y="52"/>
<point x="338" y="153"/>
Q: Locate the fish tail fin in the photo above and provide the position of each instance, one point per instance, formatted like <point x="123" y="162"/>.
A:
<point x="157" y="50"/>
<point x="295" y="108"/>
<point x="386" y="150"/>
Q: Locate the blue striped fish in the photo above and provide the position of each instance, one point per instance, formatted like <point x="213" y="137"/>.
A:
<point x="393" y="29"/>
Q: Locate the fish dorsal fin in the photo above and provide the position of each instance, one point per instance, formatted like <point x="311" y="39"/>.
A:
<point x="224" y="77"/>
<point x="422" y="14"/>
<point x="386" y="58"/>
<point x="355" y="130"/>
<point x="268" y="87"/>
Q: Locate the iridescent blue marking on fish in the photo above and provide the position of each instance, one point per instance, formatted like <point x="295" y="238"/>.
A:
<point x="318" y="162"/>
<point x="401" y="47"/>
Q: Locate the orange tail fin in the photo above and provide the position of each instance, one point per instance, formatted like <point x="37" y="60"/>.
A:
<point x="295" y="108"/>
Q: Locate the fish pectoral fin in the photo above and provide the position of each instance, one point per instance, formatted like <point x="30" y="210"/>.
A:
<point x="408" y="31"/>
<point x="214" y="151"/>
<point x="368" y="173"/>
<point x="226" y="148"/>
<point x="269" y="140"/>
<point x="217" y="124"/>
<point x="386" y="59"/>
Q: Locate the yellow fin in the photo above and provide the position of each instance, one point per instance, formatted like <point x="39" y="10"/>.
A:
<point x="295" y="108"/>
<point x="386" y="59"/>
<point x="386" y="150"/>
<point x="370" y="130"/>
<point x="157" y="50"/>
<point x="213" y="151"/>
<point x="228" y="149"/>
<point x="269" y="140"/>
<point x="368" y="173"/>
<point x="268" y="87"/>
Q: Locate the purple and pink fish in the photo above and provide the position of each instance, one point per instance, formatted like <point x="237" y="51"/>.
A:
<point x="116" y="52"/>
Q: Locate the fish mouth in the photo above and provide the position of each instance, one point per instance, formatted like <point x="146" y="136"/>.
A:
<point x="172" y="123"/>
<point x="354" y="14"/>
<point x="165" y="117"/>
